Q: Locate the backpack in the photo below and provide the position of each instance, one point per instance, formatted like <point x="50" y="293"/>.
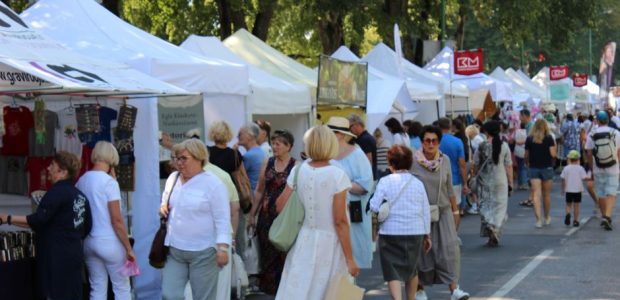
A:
<point x="605" y="151"/>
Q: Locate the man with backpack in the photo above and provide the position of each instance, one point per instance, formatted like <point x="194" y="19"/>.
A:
<point x="602" y="150"/>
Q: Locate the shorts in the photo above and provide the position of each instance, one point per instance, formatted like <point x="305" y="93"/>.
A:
<point x="573" y="197"/>
<point x="606" y="184"/>
<point x="458" y="192"/>
<point x="541" y="173"/>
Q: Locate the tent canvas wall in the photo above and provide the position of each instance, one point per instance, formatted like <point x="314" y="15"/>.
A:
<point x="89" y="28"/>
<point x="286" y="105"/>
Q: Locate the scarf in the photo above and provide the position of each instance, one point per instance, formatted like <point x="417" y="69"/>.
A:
<point x="431" y="165"/>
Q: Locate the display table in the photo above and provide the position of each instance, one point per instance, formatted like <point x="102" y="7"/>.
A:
<point x="17" y="280"/>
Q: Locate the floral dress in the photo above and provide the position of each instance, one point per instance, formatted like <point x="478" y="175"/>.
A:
<point x="271" y="259"/>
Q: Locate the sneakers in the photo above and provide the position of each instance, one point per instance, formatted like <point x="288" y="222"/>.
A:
<point x="458" y="294"/>
<point x="421" y="295"/>
<point x="547" y="220"/>
<point x="538" y="224"/>
<point x="473" y="210"/>
<point x="606" y="223"/>
<point x="567" y="220"/>
<point x="523" y="187"/>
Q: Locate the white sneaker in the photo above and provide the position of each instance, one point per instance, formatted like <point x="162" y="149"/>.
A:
<point x="473" y="210"/>
<point x="459" y="294"/>
<point x="421" y="295"/>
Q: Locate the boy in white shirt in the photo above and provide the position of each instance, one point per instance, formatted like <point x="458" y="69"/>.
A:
<point x="572" y="185"/>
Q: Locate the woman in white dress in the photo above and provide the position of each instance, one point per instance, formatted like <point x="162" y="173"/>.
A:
<point x="323" y="246"/>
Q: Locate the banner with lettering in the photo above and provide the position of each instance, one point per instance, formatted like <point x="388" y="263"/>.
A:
<point x="580" y="80"/>
<point x="558" y="72"/>
<point x="342" y="82"/>
<point x="468" y="62"/>
<point x="178" y="115"/>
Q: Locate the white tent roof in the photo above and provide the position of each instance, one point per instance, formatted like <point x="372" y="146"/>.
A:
<point x="519" y="93"/>
<point x="270" y="94"/>
<point x="256" y="52"/>
<point x="442" y="65"/>
<point x="87" y="27"/>
<point x="26" y="53"/>
<point x="384" y="92"/>
<point x="383" y="58"/>
<point x="525" y="83"/>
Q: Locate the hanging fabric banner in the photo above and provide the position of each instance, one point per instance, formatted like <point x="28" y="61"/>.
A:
<point x="468" y="62"/>
<point x="558" y="72"/>
<point x="580" y="80"/>
<point x="559" y="92"/>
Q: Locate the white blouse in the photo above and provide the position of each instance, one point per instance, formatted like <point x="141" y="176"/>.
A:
<point x="410" y="214"/>
<point x="199" y="213"/>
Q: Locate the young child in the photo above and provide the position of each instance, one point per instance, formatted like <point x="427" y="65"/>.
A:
<point x="572" y="184"/>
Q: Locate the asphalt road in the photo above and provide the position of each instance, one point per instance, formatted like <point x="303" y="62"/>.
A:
<point x="553" y="262"/>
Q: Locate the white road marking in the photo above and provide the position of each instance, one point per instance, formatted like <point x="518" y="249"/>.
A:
<point x="504" y="290"/>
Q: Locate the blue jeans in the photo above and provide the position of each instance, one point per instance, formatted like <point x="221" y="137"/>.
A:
<point x="199" y="267"/>
<point x="522" y="177"/>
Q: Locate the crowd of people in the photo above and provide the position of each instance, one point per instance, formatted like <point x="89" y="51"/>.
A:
<point x="421" y="180"/>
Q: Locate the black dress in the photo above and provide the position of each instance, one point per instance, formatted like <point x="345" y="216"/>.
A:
<point x="61" y="222"/>
<point x="271" y="259"/>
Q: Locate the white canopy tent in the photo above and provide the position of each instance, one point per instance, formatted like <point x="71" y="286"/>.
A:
<point x="525" y="83"/>
<point x="385" y="59"/>
<point x="256" y="52"/>
<point x="286" y="105"/>
<point x="88" y="28"/>
<point x="387" y="95"/>
<point x="587" y="94"/>
<point x="443" y="66"/>
<point x="519" y="93"/>
<point x="31" y="61"/>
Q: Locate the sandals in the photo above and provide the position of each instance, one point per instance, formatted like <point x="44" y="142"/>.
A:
<point x="527" y="202"/>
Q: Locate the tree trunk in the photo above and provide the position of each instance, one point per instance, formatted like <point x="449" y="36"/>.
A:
<point x="331" y="32"/>
<point x="263" y="18"/>
<point x="418" y="58"/>
<point x="460" y="27"/>
<point x="112" y="5"/>
<point x="237" y="15"/>
<point x="223" y="7"/>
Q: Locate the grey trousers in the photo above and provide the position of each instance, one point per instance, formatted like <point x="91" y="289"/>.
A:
<point x="199" y="267"/>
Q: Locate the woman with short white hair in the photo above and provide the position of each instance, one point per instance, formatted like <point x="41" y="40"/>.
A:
<point x="107" y="247"/>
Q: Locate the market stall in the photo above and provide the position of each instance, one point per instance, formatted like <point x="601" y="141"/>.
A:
<point x="286" y="105"/>
<point x="88" y="28"/>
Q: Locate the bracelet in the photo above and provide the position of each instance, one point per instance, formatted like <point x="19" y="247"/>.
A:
<point x="8" y="220"/>
<point x="456" y="212"/>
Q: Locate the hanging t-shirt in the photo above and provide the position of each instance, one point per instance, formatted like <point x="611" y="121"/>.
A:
<point x="47" y="147"/>
<point x="106" y="116"/>
<point x="17" y="122"/>
<point x="37" y="171"/>
<point x="67" y="137"/>
<point x="13" y="175"/>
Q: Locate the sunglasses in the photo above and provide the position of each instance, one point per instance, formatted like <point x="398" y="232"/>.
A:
<point x="431" y="141"/>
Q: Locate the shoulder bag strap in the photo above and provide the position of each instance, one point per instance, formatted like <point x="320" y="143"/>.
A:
<point x="403" y="189"/>
<point x="176" y="178"/>
<point x="295" y="177"/>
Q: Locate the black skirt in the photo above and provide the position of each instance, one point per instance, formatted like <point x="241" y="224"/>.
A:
<point x="399" y="256"/>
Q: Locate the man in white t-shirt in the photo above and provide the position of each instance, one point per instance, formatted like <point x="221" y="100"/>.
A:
<point x="605" y="175"/>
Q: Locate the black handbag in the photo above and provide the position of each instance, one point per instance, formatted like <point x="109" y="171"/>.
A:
<point x="159" y="251"/>
<point x="355" y="211"/>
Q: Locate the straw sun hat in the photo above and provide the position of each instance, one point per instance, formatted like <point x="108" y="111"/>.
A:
<point x="340" y="124"/>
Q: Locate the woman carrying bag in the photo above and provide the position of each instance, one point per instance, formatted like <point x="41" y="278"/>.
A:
<point x="323" y="246"/>
<point x="407" y="225"/>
